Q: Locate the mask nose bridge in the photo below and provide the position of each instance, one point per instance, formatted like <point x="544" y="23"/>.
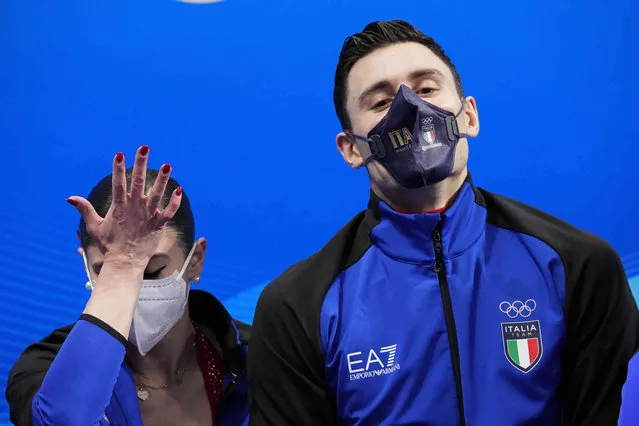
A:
<point x="408" y="94"/>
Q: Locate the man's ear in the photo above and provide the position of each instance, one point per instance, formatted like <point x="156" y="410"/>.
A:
<point x="347" y="146"/>
<point x="471" y="117"/>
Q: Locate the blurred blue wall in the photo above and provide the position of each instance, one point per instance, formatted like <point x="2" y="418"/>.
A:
<point x="238" y="97"/>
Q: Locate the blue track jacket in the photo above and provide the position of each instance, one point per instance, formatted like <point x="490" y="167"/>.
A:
<point x="630" y="396"/>
<point x="490" y="313"/>
<point x="77" y="376"/>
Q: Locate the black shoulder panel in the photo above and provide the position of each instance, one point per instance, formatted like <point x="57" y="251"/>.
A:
<point x="572" y="244"/>
<point x="28" y="372"/>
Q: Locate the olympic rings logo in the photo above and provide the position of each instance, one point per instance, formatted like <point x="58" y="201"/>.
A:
<point x="518" y="308"/>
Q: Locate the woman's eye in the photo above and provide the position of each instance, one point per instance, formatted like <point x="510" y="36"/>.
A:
<point x="154" y="274"/>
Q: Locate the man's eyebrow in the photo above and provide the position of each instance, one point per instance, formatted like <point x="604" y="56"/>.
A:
<point x="386" y="84"/>
<point x="426" y="72"/>
<point x="377" y="87"/>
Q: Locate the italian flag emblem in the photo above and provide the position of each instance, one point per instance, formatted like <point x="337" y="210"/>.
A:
<point x="429" y="136"/>
<point x="522" y="344"/>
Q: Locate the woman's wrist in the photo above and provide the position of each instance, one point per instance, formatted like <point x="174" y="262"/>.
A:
<point x="120" y="272"/>
<point x="117" y="290"/>
<point x="125" y="261"/>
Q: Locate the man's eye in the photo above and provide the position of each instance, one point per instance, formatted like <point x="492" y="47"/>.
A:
<point x="381" y="104"/>
<point x="154" y="274"/>
<point x="425" y="91"/>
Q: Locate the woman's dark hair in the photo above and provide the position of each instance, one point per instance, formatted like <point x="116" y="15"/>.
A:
<point x="183" y="223"/>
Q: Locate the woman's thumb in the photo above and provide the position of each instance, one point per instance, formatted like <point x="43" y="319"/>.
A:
<point x="85" y="208"/>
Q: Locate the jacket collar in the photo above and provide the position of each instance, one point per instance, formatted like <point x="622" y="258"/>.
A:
<point x="209" y="312"/>
<point x="409" y="237"/>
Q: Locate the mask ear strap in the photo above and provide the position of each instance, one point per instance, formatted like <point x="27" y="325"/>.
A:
<point x="451" y="125"/>
<point x="188" y="260"/>
<point x="90" y="285"/>
<point x="373" y="148"/>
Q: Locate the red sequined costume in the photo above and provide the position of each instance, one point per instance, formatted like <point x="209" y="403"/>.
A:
<point x="213" y="370"/>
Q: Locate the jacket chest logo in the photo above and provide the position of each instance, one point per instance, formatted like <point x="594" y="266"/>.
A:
<point x="523" y="346"/>
<point x="372" y="363"/>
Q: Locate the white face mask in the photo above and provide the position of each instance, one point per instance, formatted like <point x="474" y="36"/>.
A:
<point x="160" y="306"/>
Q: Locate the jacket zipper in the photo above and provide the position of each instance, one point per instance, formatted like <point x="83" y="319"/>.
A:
<point x="451" y="330"/>
<point x="230" y="386"/>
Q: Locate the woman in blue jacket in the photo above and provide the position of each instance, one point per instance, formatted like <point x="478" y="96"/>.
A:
<point x="146" y="350"/>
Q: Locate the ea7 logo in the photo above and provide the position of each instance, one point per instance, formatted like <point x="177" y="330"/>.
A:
<point x="363" y="365"/>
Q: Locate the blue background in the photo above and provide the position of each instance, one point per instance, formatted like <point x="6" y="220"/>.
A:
<point x="238" y="97"/>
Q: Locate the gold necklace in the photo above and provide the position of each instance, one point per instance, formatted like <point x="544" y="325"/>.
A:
<point x="143" y="392"/>
<point x="143" y="388"/>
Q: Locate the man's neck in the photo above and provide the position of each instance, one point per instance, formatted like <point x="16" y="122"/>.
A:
<point x="434" y="198"/>
<point x="164" y="364"/>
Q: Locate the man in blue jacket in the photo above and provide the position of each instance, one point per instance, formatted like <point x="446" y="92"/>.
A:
<point x="441" y="303"/>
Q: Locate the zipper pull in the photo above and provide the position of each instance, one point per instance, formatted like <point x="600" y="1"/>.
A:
<point x="230" y="386"/>
<point x="437" y="243"/>
<point x="437" y="238"/>
<point x="436" y="267"/>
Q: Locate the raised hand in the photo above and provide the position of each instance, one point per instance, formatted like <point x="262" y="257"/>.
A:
<point x="132" y="227"/>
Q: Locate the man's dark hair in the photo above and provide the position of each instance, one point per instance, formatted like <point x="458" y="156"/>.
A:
<point x="182" y="222"/>
<point x="377" y="35"/>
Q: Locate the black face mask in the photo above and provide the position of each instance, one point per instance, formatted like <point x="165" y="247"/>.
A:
<point x="415" y="141"/>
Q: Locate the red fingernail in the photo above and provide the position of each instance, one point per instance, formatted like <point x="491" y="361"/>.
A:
<point x="166" y="168"/>
<point x="178" y="191"/>
<point x="144" y="149"/>
<point x="72" y="202"/>
<point x="119" y="157"/>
